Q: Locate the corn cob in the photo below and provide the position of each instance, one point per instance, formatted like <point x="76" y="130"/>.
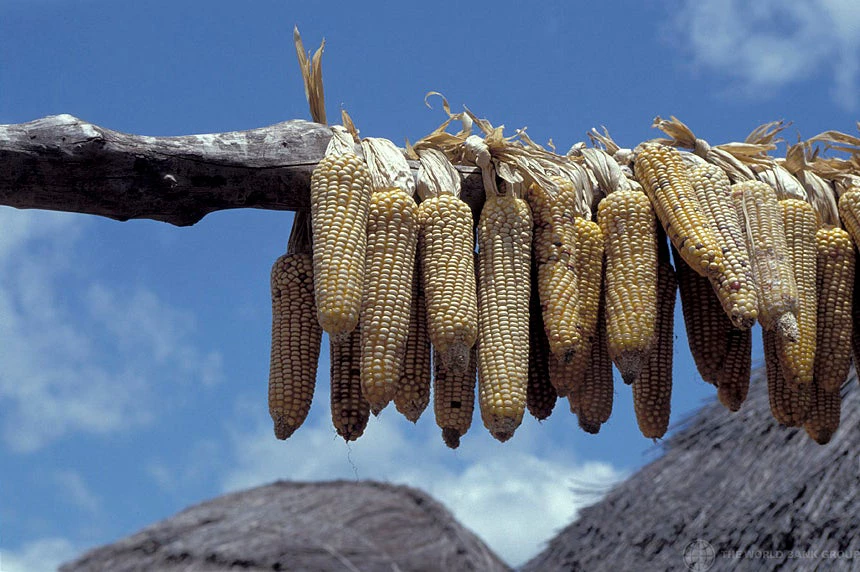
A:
<point x="541" y="396"/>
<point x="340" y="199"/>
<point x="413" y="389"/>
<point x="556" y="280"/>
<point x="788" y="405"/>
<point x="776" y="289"/>
<point x="849" y="212"/>
<point x="627" y="221"/>
<point x="504" y="240"/>
<point x="835" y="283"/>
<point x="591" y="400"/>
<point x="392" y="236"/>
<point x="588" y="262"/>
<point x="797" y="359"/>
<point x="707" y="326"/>
<point x="661" y="171"/>
<point x="735" y="288"/>
<point x="349" y="409"/>
<point x="733" y="378"/>
<point x="446" y="227"/>
<point x="855" y="318"/>
<point x="296" y="333"/>
<point x="824" y="414"/>
<point x="454" y="398"/>
<point x="652" y="390"/>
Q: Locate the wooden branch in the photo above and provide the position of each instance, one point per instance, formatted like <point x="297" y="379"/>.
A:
<point x="62" y="163"/>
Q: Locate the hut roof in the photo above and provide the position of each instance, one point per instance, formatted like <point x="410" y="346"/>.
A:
<point x="731" y="492"/>
<point x="339" y="525"/>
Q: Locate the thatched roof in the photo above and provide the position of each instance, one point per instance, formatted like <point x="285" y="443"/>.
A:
<point x="338" y="525"/>
<point x="727" y="483"/>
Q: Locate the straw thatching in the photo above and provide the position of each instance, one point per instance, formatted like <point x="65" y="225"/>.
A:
<point x="336" y="525"/>
<point x="732" y="492"/>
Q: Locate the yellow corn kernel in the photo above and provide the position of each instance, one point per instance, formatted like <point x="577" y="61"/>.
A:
<point x="591" y="398"/>
<point x="797" y="359"/>
<point x="557" y="284"/>
<point x="662" y="173"/>
<point x="735" y="288"/>
<point x="835" y="284"/>
<point x="454" y="398"/>
<point x="413" y="389"/>
<point x="449" y="277"/>
<point x="350" y="411"/>
<point x="652" y="390"/>
<point x="789" y="405"/>
<point x="541" y="396"/>
<point x="296" y="336"/>
<point x="824" y="414"/>
<point x="392" y="235"/>
<point x="340" y="199"/>
<point x="504" y="242"/>
<point x="761" y="217"/>
<point x="628" y="224"/>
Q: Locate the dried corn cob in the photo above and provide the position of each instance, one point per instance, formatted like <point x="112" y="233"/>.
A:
<point x="556" y="279"/>
<point x="661" y="171"/>
<point x="454" y="398"/>
<point x="733" y="378"/>
<point x="446" y="227"/>
<point x="849" y="212"/>
<point x="350" y="411"/>
<point x="591" y="399"/>
<point x="855" y="318"/>
<point x="824" y="414"/>
<point x="761" y="217"/>
<point x="296" y="333"/>
<point x="392" y="235"/>
<point x="797" y="359"/>
<point x="541" y="396"/>
<point x="413" y="389"/>
<point x="735" y="288"/>
<point x="788" y="405"/>
<point x="652" y="390"/>
<point x="630" y="228"/>
<point x="504" y="241"/>
<point x="835" y="283"/>
<point x="708" y="327"/>
<point x="340" y="199"/>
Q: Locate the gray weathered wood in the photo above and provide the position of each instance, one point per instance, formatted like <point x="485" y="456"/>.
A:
<point x="63" y="163"/>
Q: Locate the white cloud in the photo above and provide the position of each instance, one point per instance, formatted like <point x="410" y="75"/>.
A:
<point x="74" y="490"/>
<point x="515" y="496"/>
<point x="43" y="555"/>
<point x="64" y="354"/>
<point x="768" y="44"/>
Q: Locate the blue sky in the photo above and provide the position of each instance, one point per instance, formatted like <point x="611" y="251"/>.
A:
<point x="134" y="356"/>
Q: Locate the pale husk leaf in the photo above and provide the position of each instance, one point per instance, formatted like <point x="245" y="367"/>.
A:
<point x="436" y="175"/>
<point x="387" y="165"/>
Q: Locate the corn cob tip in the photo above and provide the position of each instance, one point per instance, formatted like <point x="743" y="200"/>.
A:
<point x="629" y="364"/>
<point x="589" y="426"/>
<point x="502" y="428"/>
<point x="451" y="437"/>
<point x="376" y="409"/>
<point x="340" y="338"/>
<point x="821" y="436"/>
<point x="283" y="430"/>
<point x="786" y="327"/>
<point x="731" y="397"/>
<point x="411" y="413"/>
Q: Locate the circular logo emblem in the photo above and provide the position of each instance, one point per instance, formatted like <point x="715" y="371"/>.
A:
<point x="699" y="555"/>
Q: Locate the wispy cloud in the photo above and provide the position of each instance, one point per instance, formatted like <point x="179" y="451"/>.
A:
<point x="67" y="345"/>
<point x="74" y="490"/>
<point x="769" y="44"/>
<point x="43" y="555"/>
<point x="514" y="496"/>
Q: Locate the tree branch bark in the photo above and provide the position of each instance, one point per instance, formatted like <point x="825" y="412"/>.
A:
<point x="63" y="163"/>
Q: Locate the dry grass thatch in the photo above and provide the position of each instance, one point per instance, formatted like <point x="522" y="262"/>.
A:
<point x="737" y="482"/>
<point x="340" y="525"/>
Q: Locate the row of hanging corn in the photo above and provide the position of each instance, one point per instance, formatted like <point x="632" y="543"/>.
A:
<point x="572" y="275"/>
